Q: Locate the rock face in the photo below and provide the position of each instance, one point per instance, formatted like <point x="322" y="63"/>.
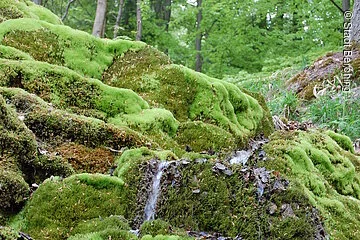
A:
<point x="74" y="108"/>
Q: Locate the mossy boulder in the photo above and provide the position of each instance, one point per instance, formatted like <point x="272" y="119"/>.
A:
<point x="60" y="208"/>
<point x="325" y="73"/>
<point x="10" y="9"/>
<point x="327" y="171"/>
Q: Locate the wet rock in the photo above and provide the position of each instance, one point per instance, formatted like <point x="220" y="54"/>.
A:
<point x="241" y="157"/>
<point x="272" y="208"/>
<point x="287" y="211"/>
<point x="201" y="160"/>
<point x="188" y="148"/>
<point x="196" y="191"/>
<point x="220" y="166"/>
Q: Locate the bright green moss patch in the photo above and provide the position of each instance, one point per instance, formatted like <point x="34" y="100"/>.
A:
<point x="74" y="49"/>
<point x="113" y="234"/>
<point x="148" y="120"/>
<point x="326" y="171"/>
<point x="343" y="141"/>
<point x="65" y="88"/>
<point x="58" y="206"/>
<point x="201" y="136"/>
<point x="13" y="53"/>
<point x="156" y="227"/>
<point x="10" y="9"/>
<point x="190" y="95"/>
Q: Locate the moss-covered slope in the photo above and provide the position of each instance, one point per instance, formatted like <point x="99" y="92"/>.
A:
<point x="72" y="104"/>
<point x="327" y="171"/>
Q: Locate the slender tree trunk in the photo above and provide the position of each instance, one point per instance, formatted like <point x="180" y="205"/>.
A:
<point x="38" y="2"/>
<point x="167" y="14"/>
<point x="346" y="5"/>
<point x="199" y="60"/>
<point x="99" y="23"/>
<point x="138" y="19"/>
<point x="355" y="23"/>
<point x="118" y="18"/>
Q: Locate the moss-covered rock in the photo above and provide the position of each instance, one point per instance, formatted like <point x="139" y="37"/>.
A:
<point x="325" y="73"/>
<point x="60" y="208"/>
<point x="10" y="9"/>
<point x="327" y="172"/>
<point x="62" y="45"/>
<point x="201" y="136"/>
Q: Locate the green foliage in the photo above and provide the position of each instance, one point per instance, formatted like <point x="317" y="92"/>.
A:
<point x="340" y="113"/>
<point x="327" y="173"/>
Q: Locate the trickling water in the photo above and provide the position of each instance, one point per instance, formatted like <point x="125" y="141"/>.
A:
<point x="155" y="191"/>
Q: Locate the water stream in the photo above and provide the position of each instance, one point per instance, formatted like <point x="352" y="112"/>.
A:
<point x="150" y="207"/>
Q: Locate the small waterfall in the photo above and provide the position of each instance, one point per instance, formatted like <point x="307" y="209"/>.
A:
<point x="150" y="208"/>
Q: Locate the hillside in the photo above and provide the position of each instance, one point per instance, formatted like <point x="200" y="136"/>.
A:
<point x="97" y="134"/>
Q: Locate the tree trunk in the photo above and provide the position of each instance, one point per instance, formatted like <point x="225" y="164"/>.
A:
<point x="99" y="23"/>
<point x="38" y="2"/>
<point x="346" y="5"/>
<point x="199" y="60"/>
<point x="167" y="15"/>
<point x="118" y="18"/>
<point x="355" y="23"/>
<point x="138" y="19"/>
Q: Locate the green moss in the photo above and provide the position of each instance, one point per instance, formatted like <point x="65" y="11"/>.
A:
<point x="326" y="172"/>
<point x="165" y="237"/>
<point x="149" y="120"/>
<point x="7" y="233"/>
<point x="59" y="126"/>
<point x="343" y="141"/>
<point x="101" y="224"/>
<point x="201" y="136"/>
<point x="13" y="190"/>
<point x="130" y="159"/>
<point x="65" y="88"/>
<point x="113" y="234"/>
<point x="10" y="9"/>
<point x="60" y="205"/>
<point x="206" y="200"/>
<point x="155" y="227"/>
<point x="13" y="53"/>
<point x="190" y="95"/>
<point x="74" y="49"/>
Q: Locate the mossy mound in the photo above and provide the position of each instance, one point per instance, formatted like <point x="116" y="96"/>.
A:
<point x="325" y="72"/>
<point x="64" y="46"/>
<point x="60" y="208"/>
<point x="188" y="95"/>
<point x="10" y="9"/>
<point x="323" y="165"/>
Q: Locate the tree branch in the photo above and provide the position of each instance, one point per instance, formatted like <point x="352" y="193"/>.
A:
<point x="67" y="9"/>
<point x="341" y="10"/>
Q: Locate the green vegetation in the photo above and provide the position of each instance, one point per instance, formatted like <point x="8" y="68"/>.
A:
<point x="326" y="171"/>
<point x="74" y="107"/>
